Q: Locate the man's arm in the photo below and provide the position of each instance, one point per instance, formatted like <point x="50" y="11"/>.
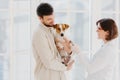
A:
<point x="40" y="43"/>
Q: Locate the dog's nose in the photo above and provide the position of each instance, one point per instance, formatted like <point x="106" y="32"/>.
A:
<point x="62" y="34"/>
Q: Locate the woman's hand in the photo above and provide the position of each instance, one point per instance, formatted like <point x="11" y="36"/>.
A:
<point x="69" y="66"/>
<point x="75" y="49"/>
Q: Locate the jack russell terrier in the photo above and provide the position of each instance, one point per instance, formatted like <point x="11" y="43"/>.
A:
<point x="59" y="33"/>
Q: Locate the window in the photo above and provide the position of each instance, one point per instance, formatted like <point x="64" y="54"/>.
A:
<point x="15" y="39"/>
<point x="18" y="20"/>
<point x="4" y="40"/>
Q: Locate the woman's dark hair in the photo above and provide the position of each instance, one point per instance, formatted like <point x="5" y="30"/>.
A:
<point x="44" y="9"/>
<point x="109" y="25"/>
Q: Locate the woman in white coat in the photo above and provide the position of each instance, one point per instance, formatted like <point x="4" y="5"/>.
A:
<point x="101" y="66"/>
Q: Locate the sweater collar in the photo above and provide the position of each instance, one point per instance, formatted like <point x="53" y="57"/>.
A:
<point x="45" y="27"/>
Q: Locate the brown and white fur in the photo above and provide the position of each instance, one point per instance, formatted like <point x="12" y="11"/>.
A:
<point x="59" y="31"/>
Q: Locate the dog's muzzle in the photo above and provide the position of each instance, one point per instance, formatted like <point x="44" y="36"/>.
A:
<point x="62" y="34"/>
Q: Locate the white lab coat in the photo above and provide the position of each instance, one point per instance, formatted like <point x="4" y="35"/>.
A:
<point x="102" y="65"/>
<point x="48" y="64"/>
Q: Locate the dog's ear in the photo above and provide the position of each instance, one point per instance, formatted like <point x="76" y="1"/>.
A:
<point x="55" y="25"/>
<point x="66" y="26"/>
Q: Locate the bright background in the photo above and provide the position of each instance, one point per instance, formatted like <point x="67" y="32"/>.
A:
<point x="18" y="20"/>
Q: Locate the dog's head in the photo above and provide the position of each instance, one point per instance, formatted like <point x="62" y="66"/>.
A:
<point x="60" y="28"/>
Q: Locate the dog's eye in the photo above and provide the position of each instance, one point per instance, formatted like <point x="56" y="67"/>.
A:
<point x="63" y="28"/>
<point x="59" y="29"/>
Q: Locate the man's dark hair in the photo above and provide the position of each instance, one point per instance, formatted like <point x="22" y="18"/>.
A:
<point x="44" y="9"/>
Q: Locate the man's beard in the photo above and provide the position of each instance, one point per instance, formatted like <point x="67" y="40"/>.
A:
<point x="48" y="25"/>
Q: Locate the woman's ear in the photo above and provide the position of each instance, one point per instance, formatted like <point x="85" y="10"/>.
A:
<point x="107" y="32"/>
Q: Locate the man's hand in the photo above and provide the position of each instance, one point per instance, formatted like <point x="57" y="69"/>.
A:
<point x="67" y="45"/>
<point x="67" y="59"/>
